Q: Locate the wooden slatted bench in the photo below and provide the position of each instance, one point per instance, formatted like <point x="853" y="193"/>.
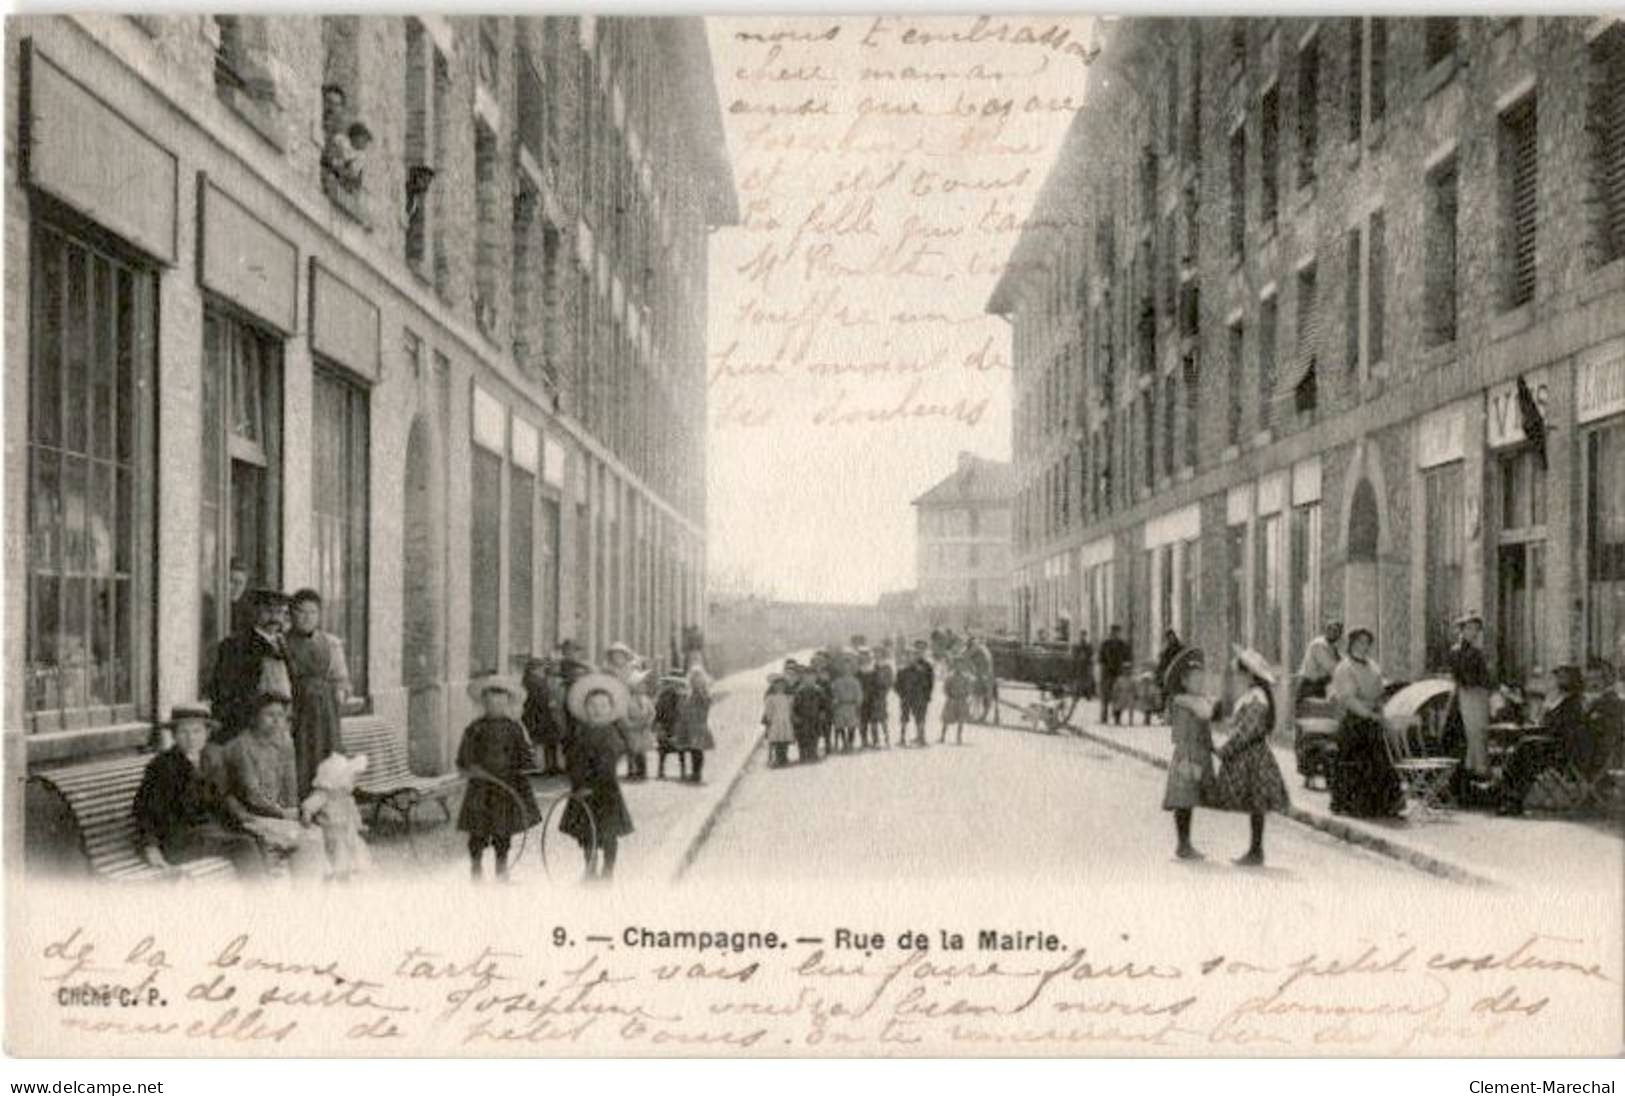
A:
<point x="100" y="795"/>
<point x="389" y="781"/>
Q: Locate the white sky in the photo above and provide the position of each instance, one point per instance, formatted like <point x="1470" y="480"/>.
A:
<point x="819" y="510"/>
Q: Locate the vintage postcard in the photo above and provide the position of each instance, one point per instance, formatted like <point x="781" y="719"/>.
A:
<point x="570" y="535"/>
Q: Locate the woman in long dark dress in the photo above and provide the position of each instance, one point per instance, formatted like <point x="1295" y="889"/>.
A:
<point x="495" y="757"/>
<point x="596" y="815"/>
<point x="321" y="684"/>
<point x="1363" y="781"/>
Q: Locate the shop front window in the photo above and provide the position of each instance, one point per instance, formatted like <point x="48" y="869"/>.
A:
<point x="1305" y="588"/>
<point x="1605" y="541"/>
<point x="339" y="468"/>
<point x="1442" y="560"/>
<point x="1521" y="570"/>
<point x="1267" y="608"/>
<point x="90" y="502"/>
<point x="1236" y="586"/>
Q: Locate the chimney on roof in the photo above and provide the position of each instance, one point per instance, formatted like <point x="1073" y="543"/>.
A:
<point x="965" y="459"/>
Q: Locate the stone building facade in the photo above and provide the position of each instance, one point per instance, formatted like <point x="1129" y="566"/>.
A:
<point x="448" y="371"/>
<point x="1294" y="298"/>
<point x="962" y="540"/>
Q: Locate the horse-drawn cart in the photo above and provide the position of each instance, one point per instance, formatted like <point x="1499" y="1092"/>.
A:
<point x="1049" y="670"/>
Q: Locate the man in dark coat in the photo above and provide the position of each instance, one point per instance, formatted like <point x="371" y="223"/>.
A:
<point x="1565" y="739"/>
<point x="915" y="683"/>
<point x="1114" y="659"/>
<point x="1171" y="648"/>
<point x="248" y="663"/>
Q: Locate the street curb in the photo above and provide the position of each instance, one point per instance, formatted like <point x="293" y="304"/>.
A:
<point x="1329" y="824"/>
<point x="691" y="851"/>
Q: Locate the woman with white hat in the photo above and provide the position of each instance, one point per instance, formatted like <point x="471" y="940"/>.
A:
<point x="1249" y="777"/>
<point x="596" y="815"/>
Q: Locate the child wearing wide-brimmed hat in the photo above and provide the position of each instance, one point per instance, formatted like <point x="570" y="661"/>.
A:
<point x="495" y="757"/>
<point x="596" y="815"/>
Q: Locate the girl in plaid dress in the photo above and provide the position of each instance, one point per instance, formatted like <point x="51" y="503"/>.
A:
<point x="1249" y="777"/>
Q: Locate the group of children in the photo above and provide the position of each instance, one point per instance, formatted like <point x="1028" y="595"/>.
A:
<point x="582" y="721"/>
<point x="838" y="701"/>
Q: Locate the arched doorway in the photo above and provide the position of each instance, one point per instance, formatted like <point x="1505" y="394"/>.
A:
<point x="1362" y="590"/>
<point x="422" y="615"/>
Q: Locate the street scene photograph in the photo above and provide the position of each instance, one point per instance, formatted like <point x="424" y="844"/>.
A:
<point x="570" y="458"/>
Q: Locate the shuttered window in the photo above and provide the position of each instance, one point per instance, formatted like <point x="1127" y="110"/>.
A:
<point x="1270" y="167"/>
<point x="1439" y="259"/>
<point x="1354" y="86"/>
<point x="1170" y="401"/>
<point x="1192" y="395"/>
<point x="1605" y="130"/>
<point x="1439" y="39"/>
<point x="1148" y="433"/>
<point x="1238" y="192"/>
<point x="1267" y="319"/>
<point x="1233" y="418"/>
<point x="1516" y="164"/>
<point x="1376" y="286"/>
<point x="1308" y="316"/>
<point x="1303" y="381"/>
<point x="1379" y="69"/>
<point x="1193" y="111"/>
<point x="1351" y="298"/>
<point x="1308" y="110"/>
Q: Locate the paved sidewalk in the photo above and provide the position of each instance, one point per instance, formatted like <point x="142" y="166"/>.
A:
<point x="1467" y="846"/>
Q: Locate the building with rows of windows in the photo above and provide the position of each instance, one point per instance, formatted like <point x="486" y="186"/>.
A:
<point x="409" y="310"/>
<point x="962" y="544"/>
<point x="1290" y="307"/>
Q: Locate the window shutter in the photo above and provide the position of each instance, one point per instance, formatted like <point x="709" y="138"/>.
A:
<point x="1377" y="282"/>
<point x="1522" y="175"/>
<point x="1354" y="85"/>
<point x="1351" y="298"/>
<point x="1270" y="168"/>
<point x="1238" y="191"/>
<point x="1607" y="124"/>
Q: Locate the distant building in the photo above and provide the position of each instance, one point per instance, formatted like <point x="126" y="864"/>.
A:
<point x="964" y="546"/>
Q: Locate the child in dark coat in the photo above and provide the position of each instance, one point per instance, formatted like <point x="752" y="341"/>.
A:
<point x="495" y="757"/>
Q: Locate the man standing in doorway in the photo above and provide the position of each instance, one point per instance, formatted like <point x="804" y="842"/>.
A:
<point x="249" y="663"/>
<point x="1471" y="673"/>
<point x="1114" y="659"/>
